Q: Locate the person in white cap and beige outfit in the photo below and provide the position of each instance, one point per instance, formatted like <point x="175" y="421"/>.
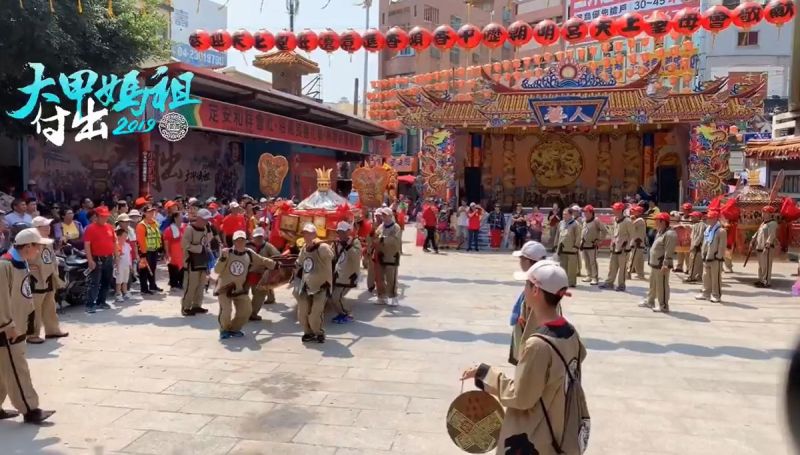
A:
<point x="387" y="258"/>
<point x="260" y="296"/>
<point x="44" y="283"/>
<point x="531" y="253"/>
<point x="196" y="254"/>
<point x="16" y="322"/>
<point x="314" y="281"/>
<point x="347" y="265"/>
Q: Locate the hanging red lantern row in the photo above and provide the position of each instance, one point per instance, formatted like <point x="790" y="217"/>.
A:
<point x="685" y="22"/>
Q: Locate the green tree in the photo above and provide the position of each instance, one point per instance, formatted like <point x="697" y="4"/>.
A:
<point x="65" y="41"/>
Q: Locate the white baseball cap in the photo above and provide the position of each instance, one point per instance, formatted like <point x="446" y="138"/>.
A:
<point x="310" y="228"/>
<point x="343" y="226"/>
<point x="30" y="236"/>
<point x="205" y="214"/>
<point x="124" y="217"/>
<point x="532" y="250"/>
<point x="134" y="213"/>
<point x="263" y="200"/>
<point x="548" y="276"/>
<point x="239" y="235"/>
<point x="234" y="205"/>
<point x="41" y="221"/>
<point x="259" y="232"/>
<point x="192" y="200"/>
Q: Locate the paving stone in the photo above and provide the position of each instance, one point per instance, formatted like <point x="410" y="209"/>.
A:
<point x="263" y="447"/>
<point x="163" y="421"/>
<point x="262" y="427"/>
<point x="345" y="436"/>
<point x="146" y="401"/>
<point x="159" y="442"/>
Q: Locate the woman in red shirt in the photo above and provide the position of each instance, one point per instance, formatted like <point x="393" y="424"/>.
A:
<point x="235" y="221"/>
<point x="173" y="235"/>
<point x="474" y="218"/>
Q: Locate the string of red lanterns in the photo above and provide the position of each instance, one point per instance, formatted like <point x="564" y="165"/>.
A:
<point x="685" y="22"/>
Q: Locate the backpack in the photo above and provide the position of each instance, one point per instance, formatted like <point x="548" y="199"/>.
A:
<point x="577" y="423"/>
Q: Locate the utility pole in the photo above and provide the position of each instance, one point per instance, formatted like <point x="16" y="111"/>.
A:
<point x="367" y="4"/>
<point x="292" y="6"/>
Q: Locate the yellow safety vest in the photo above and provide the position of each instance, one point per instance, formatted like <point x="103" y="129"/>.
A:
<point x="152" y="236"/>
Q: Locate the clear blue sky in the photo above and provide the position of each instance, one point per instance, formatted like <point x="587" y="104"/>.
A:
<point x="339" y="71"/>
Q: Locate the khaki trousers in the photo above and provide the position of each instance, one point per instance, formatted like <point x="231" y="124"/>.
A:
<point x="569" y="262"/>
<point x="194" y="285"/>
<point x="681" y="261"/>
<point x="370" y="266"/>
<point x="616" y="270"/>
<point x="579" y="263"/>
<point x="387" y="280"/>
<point x="15" y="377"/>
<point x="712" y="279"/>
<point x="45" y="314"/>
<point x="339" y="303"/>
<point x="636" y="263"/>
<point x="590" y="259"/>
<point x="243" y="308"/>
<point x="729" y="260"/>
<point x="310" y="311"/>
<point x="695" y="266"/>
<point x="659" y="288"/>
<point x="765" y="266"/>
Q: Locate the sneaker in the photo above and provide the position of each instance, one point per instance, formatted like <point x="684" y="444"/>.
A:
<point x="8" y="414"/>
<point x="371" y="290"/>
<point x="586" y="280"/>
<point x="436" y="252"/>
<point x="381" y="301"/>
<point x="200" y="310"/>
<point x="126" y="296"/>
<point x="663" y="309"/>
<point x="394" y="302"/>
<point x="320" y="338"/>
<point x="256" y="318"/>
<point x="715" y="299"/>
<point x="620" y="289"/>
<point x="593" y="282"/>
<point x="759" y="284"/>
<point x="103" y="306"/>
<point x="157" y="289"/>
<point x="348" y="318"/>
<point x="700" y="297"/>
<point x="646" y="304"/>
<point x="425" y="250"/>
<point x="237" y="334"/>
<point x="119" y="298"/>
<point x="606" y="286"/>
<point x="308" y="337"/>
<point x="338" y="319"/>
<point x="37" y="416"/>
<point x="187" y="313"/>
<point x="91" y="310"/>
<point x="224" y="335"/>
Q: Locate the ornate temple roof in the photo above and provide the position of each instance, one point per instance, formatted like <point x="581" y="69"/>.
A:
<point x="569" y="94"/>
<point x="267" y="61"/>
<point x="786" y="148"/>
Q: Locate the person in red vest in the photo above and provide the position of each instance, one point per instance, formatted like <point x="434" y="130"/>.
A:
<point x="235" y="221"/>
<point x="429" y="216"/>
<point x="474" y="219"/>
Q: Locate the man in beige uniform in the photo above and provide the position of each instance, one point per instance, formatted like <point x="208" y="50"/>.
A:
<point x="592" y="234"/>
<point x="713" y="253"/>
<point x="576" y="215"/>
<point x="232" y="267"/>
<point x="347" y="263"/>
<point x="260" y="245"/>
<point x="44" y="282"/>
<point x="660" y="260"/>
<point x="567" y="245"/>
<point x="684" y="217"/>
<point x="367" y="230"/>
<point x="387" y="257"/>
<point x="16" y="322"/>
<point x="765" y="242"/>
<point x="621" y="236"/>
<point x="694" y="269"/>
<point x="196" y="253"/>
<point x="313" y="287"/>
<point x="637" y="247"/>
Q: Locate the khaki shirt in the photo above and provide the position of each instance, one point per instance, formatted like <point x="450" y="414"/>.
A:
<point x="621" y="235"/>
<point x="267" y="250"/>
<point x="388" y="243"/>
<point x="233" y="267"/>
<point x="16" y="297"/>
<point x="44" y="270"/>
<point x="765" y="237"/>
<point x="639" y="232"/>
<point x="715" y="249"/>
<point x="315" y="264"/>
<point x="592" y="233"/>
<point x="698" y="230"/>
<point x="347" y="263"/>
<point x="194" y="240"/>
<point x="662" y="252"/>
<point x="568" y="235"/>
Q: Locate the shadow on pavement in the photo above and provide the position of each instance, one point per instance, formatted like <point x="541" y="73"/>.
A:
<point x="647" y="347"/>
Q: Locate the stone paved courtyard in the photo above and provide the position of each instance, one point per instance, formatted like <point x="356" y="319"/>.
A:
<point x="141" y="379"/>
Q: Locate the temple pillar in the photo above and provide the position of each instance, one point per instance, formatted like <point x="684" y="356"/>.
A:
<point x="709" y="152"/>
<point x="486" y="168"/>
<point x="632" y="157"/>
<point x="603" y="169"/>
<point x="509" y="174"/>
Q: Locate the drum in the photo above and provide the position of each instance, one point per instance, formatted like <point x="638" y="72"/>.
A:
<point x="684" y="233"/>
<point x="474" y="420"/>
<point x="272" y="279"/>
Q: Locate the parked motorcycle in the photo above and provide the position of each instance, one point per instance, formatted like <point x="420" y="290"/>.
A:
<point x="73" y="269"/>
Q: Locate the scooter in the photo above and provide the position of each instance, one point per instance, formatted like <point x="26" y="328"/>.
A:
<point x="73" y="269"/>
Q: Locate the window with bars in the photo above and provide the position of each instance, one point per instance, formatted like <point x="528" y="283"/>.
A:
<point x="455" y="56"/>
<point x="430" y="14"/>
<point x="407" y="52"/>
<point x="745" y="39"/>
<point x="455" y="22"/>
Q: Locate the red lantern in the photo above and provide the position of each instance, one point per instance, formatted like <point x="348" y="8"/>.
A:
<point x="658" y="25"/>
<point x="221" y="40"/>
<point x="748" y="14"/>
<point x="546" y="32"/>
<point x="396" y="39"/>
<point x="629" y="25"/>
<point x="469" y="36"/>
<point x="200" y="40"/>
<point x="329" y="41"/>
<point x="307" y="40"/>
<point x="602" y="28"/>
<point x="444" y="37"/>
<point x="520" y="33"/>
<point x="285" y="41"/>
<point x="373" y="40"/>
<point x="779" y="12"/>
<point x="687" y="21"/>
<point x="264" y="40"/>
<point x="242" y="40"/>
<point x="494" y="35"/>
<point x="350" y="41"/>
<point x="419" y="38"/>
<point x="574" y="30"/>
<point x="716" y="19"/>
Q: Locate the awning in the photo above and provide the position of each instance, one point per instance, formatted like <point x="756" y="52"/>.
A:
<point x="787" y="148"/>
<point x="410" y="179"/>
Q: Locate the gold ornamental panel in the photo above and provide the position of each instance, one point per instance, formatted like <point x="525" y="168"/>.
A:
<point x="556" y="162"/>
